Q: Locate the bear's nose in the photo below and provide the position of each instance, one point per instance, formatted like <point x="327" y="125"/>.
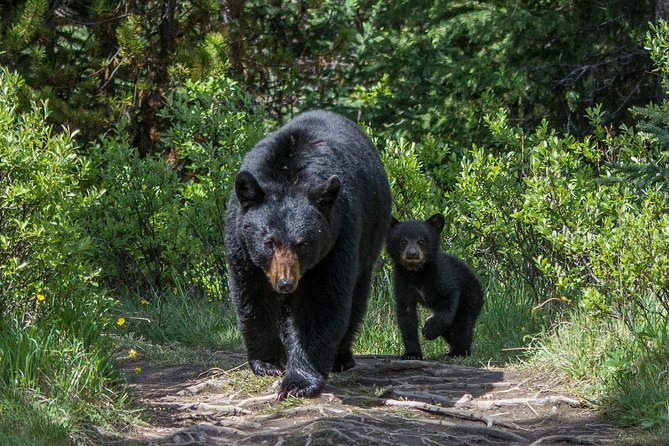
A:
<point x="412" y="254"/>
<point x="286" y="285"/>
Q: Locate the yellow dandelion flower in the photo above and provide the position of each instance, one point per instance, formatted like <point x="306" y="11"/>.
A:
<point x="132" y="353"/>
<point x="564" y="299"/>
<point x="40" y="297"/>
<point x="120" y="321"/>
<point x="143" y="301"/>
<point x="137" y="370"/>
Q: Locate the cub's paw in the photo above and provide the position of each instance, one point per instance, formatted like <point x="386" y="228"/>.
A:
<point x="262" y="368"/>
<point x="300" y="385"/>
<point x="431" y="330"/>
<point x="414" y="355"/>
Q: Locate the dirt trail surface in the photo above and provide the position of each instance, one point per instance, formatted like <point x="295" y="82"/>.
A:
<point x="381" y="401"/>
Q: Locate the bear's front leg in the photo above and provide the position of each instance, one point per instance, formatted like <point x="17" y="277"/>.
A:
<point x="313" y="334"/>
<point x="306" y="372"/>
<point x="442" y="319"/>
<point x="407" y="319"/>
<point x="258" y="317"/>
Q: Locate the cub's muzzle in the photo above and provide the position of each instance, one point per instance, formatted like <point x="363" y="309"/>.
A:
<point x="284" y="271"/>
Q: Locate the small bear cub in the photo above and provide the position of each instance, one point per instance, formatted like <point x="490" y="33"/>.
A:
<point x="423" y="273"/>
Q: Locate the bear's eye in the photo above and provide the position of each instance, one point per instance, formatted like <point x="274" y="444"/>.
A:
<point x="269" y="243"/>
<point x="403" y="242"/>
<point x="421" y="242"/>
<point x="300" y="242"/>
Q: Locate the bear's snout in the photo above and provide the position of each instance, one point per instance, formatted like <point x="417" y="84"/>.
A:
<point x="284" y="271"/>
<point x="412" y="254"/>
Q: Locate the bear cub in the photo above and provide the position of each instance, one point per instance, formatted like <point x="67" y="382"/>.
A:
<point x="423" y="273"/>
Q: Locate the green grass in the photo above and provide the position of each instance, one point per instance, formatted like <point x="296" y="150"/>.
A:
<point x="54" y="384"/>
<point x="623" y="370"/>
<point x="177" y="318"/>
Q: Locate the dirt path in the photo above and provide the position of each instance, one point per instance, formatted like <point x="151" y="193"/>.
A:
<point x="382" y="401"/>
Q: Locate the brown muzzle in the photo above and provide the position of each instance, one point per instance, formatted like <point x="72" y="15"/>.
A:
<point x="284" y="271"/>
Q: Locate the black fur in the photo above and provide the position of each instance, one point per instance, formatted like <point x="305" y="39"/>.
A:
<point x="314" y="195"/>
<point x="423" y="273"/>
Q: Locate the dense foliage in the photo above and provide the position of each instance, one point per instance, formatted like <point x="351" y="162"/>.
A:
<point x="159" y="221"/>
<point x="538" y="128"/>
<point x="52" y="315"/>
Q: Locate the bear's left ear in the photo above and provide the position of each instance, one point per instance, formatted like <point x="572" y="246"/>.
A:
<point x="247" y="189"/>
<point x="323" y="195"/>
<point x="437" y="221"/>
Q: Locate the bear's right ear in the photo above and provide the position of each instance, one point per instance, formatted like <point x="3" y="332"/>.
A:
<point x="437" y="221"/>
<point x="324" y="195"/>
<point x="248" y="191"/>
<point x="394" y="222"/>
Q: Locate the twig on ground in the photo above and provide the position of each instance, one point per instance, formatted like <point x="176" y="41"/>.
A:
<point x="562" y="439"/>
<point x="451" y="413"/>
<point x="476" y="430"/>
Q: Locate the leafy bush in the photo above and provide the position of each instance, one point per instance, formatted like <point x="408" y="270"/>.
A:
<point x="55" y="360"/>
<point x="548" y="209"/>
<point x="159" y="221"/>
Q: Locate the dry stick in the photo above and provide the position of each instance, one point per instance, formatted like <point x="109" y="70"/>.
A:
<point x="210" y="409"/>
<point x="257" y="399"/>
<point x="517" y="386"/>
<point x="555" y="399"/>
<point x="485" y="404"/>
<point x="476" y="430"/>
<point x="562" y="438"/>
<point x="450" y="412"/>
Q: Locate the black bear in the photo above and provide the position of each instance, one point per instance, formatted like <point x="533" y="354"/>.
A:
<point x="303" y="229"/>
<point x="423" y="273"/>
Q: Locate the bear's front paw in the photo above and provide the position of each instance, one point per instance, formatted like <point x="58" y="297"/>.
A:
<point x="299" y="385"/>
<point x="431" y="330"/>
<point x="414" y="355"/>
<point x="262" y="368"/>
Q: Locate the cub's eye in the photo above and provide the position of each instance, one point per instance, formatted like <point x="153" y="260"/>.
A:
<point x="300" y="242"/>
<point x="403" y="242"/>
<point x="421" y="242"/>
<point x="269" y="243"/>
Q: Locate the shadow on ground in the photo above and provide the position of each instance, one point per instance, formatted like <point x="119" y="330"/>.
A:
<point x="382" y="401"/>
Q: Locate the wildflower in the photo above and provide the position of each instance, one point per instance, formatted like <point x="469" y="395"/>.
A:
<point x="132" y="353"/>
<point x="137" y="370"/>
<point x="143" y="301"/>
<point x="40" y="297"/>
<point x="120" y="321"/>
<point x="564" y="299"/>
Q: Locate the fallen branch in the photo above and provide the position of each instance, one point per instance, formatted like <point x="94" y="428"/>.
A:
<point x="475" y="430"/>
<point x="213" y="409"/>
<point x="562" y="439"/>
<point x="483" y="404"/>
<point x="450" y="412"/>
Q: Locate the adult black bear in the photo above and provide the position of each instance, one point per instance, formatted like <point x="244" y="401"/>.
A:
<point x="423" y="273"/>
<point x="304" y="227"/>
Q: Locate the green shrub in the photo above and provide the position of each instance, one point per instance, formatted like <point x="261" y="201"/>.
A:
<point x="54" y="360"/>
<point x="159" y="221"/>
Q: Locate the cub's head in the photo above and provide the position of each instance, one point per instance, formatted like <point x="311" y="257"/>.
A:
<point x="411" y="244"/>
<point x="286" y="233"/>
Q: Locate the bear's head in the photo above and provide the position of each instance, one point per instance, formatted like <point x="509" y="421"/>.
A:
<point x="286" y="231"/>
<point x="414" y="243"/>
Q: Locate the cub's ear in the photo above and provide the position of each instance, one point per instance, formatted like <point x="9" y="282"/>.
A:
<point x="248" y="191"/>
<point x="437" y="221"/>
<point x="324" y="195"/>
<point x="394" y="222"/>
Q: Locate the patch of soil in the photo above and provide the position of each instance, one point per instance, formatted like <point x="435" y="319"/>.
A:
<point x="381" y="401"/>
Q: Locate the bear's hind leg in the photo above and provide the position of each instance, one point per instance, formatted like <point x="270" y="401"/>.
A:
<point x="459" y="336"/>
<point x="344" y="359"/>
